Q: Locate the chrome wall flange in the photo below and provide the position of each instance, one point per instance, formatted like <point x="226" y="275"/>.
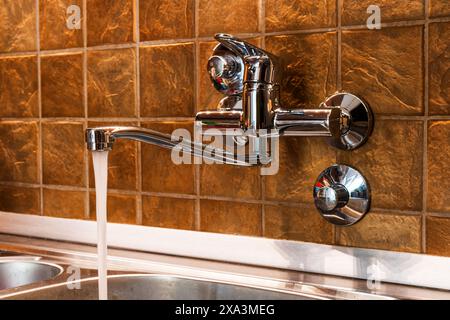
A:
<point x="342" y="195"/>
<point x="356" y="120"/>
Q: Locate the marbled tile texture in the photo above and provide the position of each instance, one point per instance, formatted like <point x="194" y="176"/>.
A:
<point x="56" y="81"/>
<point x="18" y="27"/>
<point x="56" y="30"/>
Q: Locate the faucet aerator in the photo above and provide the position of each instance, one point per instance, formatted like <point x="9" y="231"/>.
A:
<point x="99" y="139"/>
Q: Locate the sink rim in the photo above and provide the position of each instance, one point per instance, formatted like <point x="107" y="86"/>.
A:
<point x="318" y="292"/>
<point x="170" y="276"/>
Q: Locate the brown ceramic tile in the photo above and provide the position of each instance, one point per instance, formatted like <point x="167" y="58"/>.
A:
<point x="230" y="217"/>
<point x="301" y="224"/>
<point x="111" y="83"/>
<point x="167" y="80"/>
<point x="384" y="231"/>
<point x="309" y="62"/>
<point x="168" y="212"/>
<point x="122" y="161"/>
<point x="385" y="67"/>
<point x="63" y="153"/>
<point x="19" y="87"/>
<point x="62" y="85"/>
<point x="230" y="181"/>
<point x="438" y="165"/>
<point x="439" y="8"/>
<point x="109" y="21"/>
<point x="20" y="200"/>
<point x="438" y="236"/>
<point x="166" y="19"/>
<point x="159" y="173"/>
<point x="299" y="14"/>
<point x="64" y="204"/>
<point x="439" y="68"/>
<point x="237" y="16"/>
<point x="208" y="96"/>
<point x="391" y="161"/>
<point x="121" y="208"/>
<point x="355" y="12"/>
<point x="301" y="162"/>
<point x="18" y="27"/>
<point x="19" y="151"/>
<point x="54" y="32"/>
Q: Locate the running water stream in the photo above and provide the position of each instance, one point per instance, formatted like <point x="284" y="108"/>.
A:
<point x="100" y="160"/>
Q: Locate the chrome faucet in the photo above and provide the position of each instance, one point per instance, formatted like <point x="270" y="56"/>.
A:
<point x="249" y="79"/>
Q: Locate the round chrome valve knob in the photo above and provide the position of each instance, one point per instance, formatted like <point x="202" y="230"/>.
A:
<point x="225" y="70"/>
<point x="342" y="195"/>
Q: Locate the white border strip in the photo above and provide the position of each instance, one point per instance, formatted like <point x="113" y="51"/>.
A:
<point x="404" y="268"/>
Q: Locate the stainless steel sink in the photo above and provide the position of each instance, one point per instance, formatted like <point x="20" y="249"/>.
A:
<point x="19" y="273"/>
<point x="158" y="287"/>
<point x="41" y="271"/>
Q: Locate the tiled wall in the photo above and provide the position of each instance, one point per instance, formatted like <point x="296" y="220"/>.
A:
<point x="142" y="62"/>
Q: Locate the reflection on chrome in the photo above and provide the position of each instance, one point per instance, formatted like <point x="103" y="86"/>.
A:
<point x="249" y="78"/>
<point x="342" y="195"/>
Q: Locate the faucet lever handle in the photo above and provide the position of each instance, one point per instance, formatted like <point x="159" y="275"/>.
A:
<point x="243" y="48"/>
<point x="240" y="47"/>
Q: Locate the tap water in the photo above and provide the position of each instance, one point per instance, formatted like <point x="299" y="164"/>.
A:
<point x="100" y="161"/>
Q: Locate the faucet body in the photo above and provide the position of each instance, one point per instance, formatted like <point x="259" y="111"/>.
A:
<point x="249" y="78"/>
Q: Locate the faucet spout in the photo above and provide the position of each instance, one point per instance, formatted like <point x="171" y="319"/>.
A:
<point x="103" y="138"/>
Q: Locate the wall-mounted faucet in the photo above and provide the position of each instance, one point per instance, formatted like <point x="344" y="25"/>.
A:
<point x="249" y="78"/>
<point x="251" y="112"/>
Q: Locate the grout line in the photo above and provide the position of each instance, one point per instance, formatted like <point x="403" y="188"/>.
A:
<point x="263" y="207"/>
<point x="94" y="119"/>
<point x="85" y="102"/>
<point x="190" y="119"/>
<point x="335" y="230"/>
<point x="339" y="46"/>
<point x="262" y="179"/>
<point x="400" y="117"/>
<point x="425" y="129"/>
<point x="169" y="195"/>
<point x="139" y="213"/>
<point x="197" y="173"/>
<point x="65" y="188"/>
<point x="262" y="22"/>
<point x="438" y="214"/>
<point x="396" y="211"/>
<point x="40" y="135"/>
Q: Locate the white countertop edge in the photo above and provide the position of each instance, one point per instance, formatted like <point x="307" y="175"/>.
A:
<point x="390" y="266"/>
